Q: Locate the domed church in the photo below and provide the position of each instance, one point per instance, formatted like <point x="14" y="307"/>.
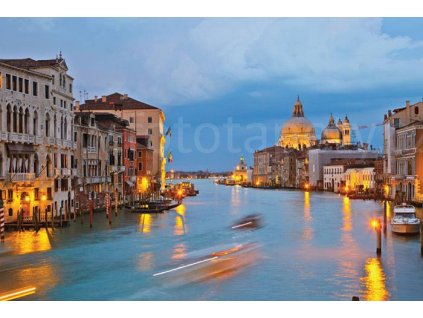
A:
<point x="338" y="134"/>
<point x="298" y="132"/>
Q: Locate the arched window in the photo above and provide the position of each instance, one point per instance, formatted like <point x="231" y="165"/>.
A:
<point x="36" y="165"/>
<point x="15" y="119"/>
<point x="66" y="130"/>
<point x="9" y="118"/>
<point x="47" y="124"/>
<point x="20" y="128"/>
<point x="54" y="126"/>
<point x="49" y="166"/>
<point x="35" y="124"/>
<point x="61" y="128"/>
<point x="26" y="121"/>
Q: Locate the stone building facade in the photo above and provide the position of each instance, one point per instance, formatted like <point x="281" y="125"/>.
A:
<point x="36" y="129"/>
<point x="145" y="119"/>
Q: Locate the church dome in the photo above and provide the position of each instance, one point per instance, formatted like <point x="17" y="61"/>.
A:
<point x="331" y="134"/>
<point x="298" y="131"/>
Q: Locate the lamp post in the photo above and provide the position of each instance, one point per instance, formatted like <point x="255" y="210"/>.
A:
<point x="375" y="223"/>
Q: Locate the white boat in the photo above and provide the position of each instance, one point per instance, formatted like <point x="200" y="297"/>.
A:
<point x="404" y="220"/>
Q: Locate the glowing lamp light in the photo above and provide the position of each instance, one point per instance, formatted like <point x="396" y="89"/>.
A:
<point x="375" y="224"/>
<point x="180" y="192"/>
<point x="27" y="198"/>
<point x="306" y="186"/>
<point x="43" y="197"/>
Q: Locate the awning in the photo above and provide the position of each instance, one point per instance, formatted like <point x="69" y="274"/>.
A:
<point x="20" y="149"/>
<point x="129" y="183"/>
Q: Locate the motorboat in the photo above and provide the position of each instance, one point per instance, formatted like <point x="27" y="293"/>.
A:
<point x="252" y="221"/>
<point x="211" y="263"/>
<point x="404" y="220"/>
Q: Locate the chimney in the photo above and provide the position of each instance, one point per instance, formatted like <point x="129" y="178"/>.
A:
<point x="103" y="98"/>
<point x="407" y="103"/>
<point x="95" y="98"/>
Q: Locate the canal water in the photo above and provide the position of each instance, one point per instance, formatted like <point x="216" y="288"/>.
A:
<point x="312" y="246"/>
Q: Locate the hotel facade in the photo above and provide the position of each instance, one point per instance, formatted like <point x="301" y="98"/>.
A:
<point x="36" y="146"/>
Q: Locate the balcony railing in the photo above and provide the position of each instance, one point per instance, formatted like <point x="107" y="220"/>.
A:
<point x="4" y="136"/>
<point x="18" y="137"/>
<point x="20" y="177"/>
<point x="91" y="149"/>
<point x="66" y="172"/>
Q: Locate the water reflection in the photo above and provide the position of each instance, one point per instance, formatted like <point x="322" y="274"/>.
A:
<point x="146" y="261"/>
<point x="308" y="228"/>
<point x="235" y="200"/>
<point x="374" y="281"/>
<point x="180" y="220"/>
<point x="30" y="242"/>
<point x="346" y="214"/>
<point x="179" y="252"/>
<point x="145" y="223"/>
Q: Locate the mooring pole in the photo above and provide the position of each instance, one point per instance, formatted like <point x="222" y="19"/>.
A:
<point x="91" y="213"/>
<point x="116" y="202"/>
<point x="385" y="207"/>
<point x="1" y="221"/>
<point x="421" y="237"/>
<point x="379" y="240"/>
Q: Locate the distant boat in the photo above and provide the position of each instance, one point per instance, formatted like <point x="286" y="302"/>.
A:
<point x="252" y="221"/>
<point x="405" y="220"/>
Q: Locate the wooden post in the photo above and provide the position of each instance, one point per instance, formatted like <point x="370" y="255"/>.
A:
<point x="1" y="221"/>
<point x="421" y="237"/>
<point x="108" y="208"/>
<point x="116" y="202"/>
<point x="91" y="213"/>
<point x="379" y="240"/>
<point x="385" y="207"/>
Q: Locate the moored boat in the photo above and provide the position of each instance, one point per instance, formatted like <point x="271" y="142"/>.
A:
<point x="404" y="220"/>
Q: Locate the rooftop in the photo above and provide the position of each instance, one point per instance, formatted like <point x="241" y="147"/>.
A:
<point x="115" y="101"/>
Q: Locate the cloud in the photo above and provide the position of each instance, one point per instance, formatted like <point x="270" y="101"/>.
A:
<point x="211" y="57"/>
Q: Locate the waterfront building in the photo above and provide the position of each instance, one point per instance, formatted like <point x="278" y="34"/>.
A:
<point x="124" y="151"/>
<point x="402" y="147"/>
<point x="359" y="179"/>
<point x="145" y="119"/>
<point x="301" y="166"/>
<point x="36" y="129"/>
<point x="97" y="160"/>
<point x="275" y="166"/>
<point x="145" y="165"/>
<point x="298" y="132"/>
<point x="339" y="134"/>
<point x="318" y="158"/>
<point x="333" y="177"/>
<point x="240" y="172"/>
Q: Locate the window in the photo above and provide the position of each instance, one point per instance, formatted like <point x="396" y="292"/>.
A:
<point x="131" y="120"/>
<point x="14" y="83"/>
<point x="54" y="100"/>
<point x="64" y="104"/>
<point x="150" y="120"/>
<point x="26" y="86"/>
<point x="416" y="110"/>
<point x="52" y="79"/>
<point x="1" y="81"/>
<point x="10" y="195"/>
<point x="150" y="131"/>
<point x="130" y="155"/>
<point x="49" y="196"/>
<point x="70" y="88"/>
<point x="139" y="154"/>
<point x="139" y="166"/>
<point x="75" y="136"/>
<point x="36" y="193"/>
<point x="20" y="84"/>
<point x="61" y="103"/>
<point x="47" y="92"/>
<point x="8" y="82"/>
<point x="10" y="212"/>
<point x="34" y="88"/>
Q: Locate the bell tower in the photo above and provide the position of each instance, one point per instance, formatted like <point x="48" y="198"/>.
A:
<point x="346" y="131"/>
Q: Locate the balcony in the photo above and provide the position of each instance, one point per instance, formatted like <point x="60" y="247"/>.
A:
<point x="91" y="149"/>
<point x="21" y="177"/>
<point x="74" y="171"/>
<point x="4" y="136"/>
<point x="66" y="172"/>
<point x="67" y="144"/>
<point x="18" y="137"/>
<point x="57" y="172"/>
